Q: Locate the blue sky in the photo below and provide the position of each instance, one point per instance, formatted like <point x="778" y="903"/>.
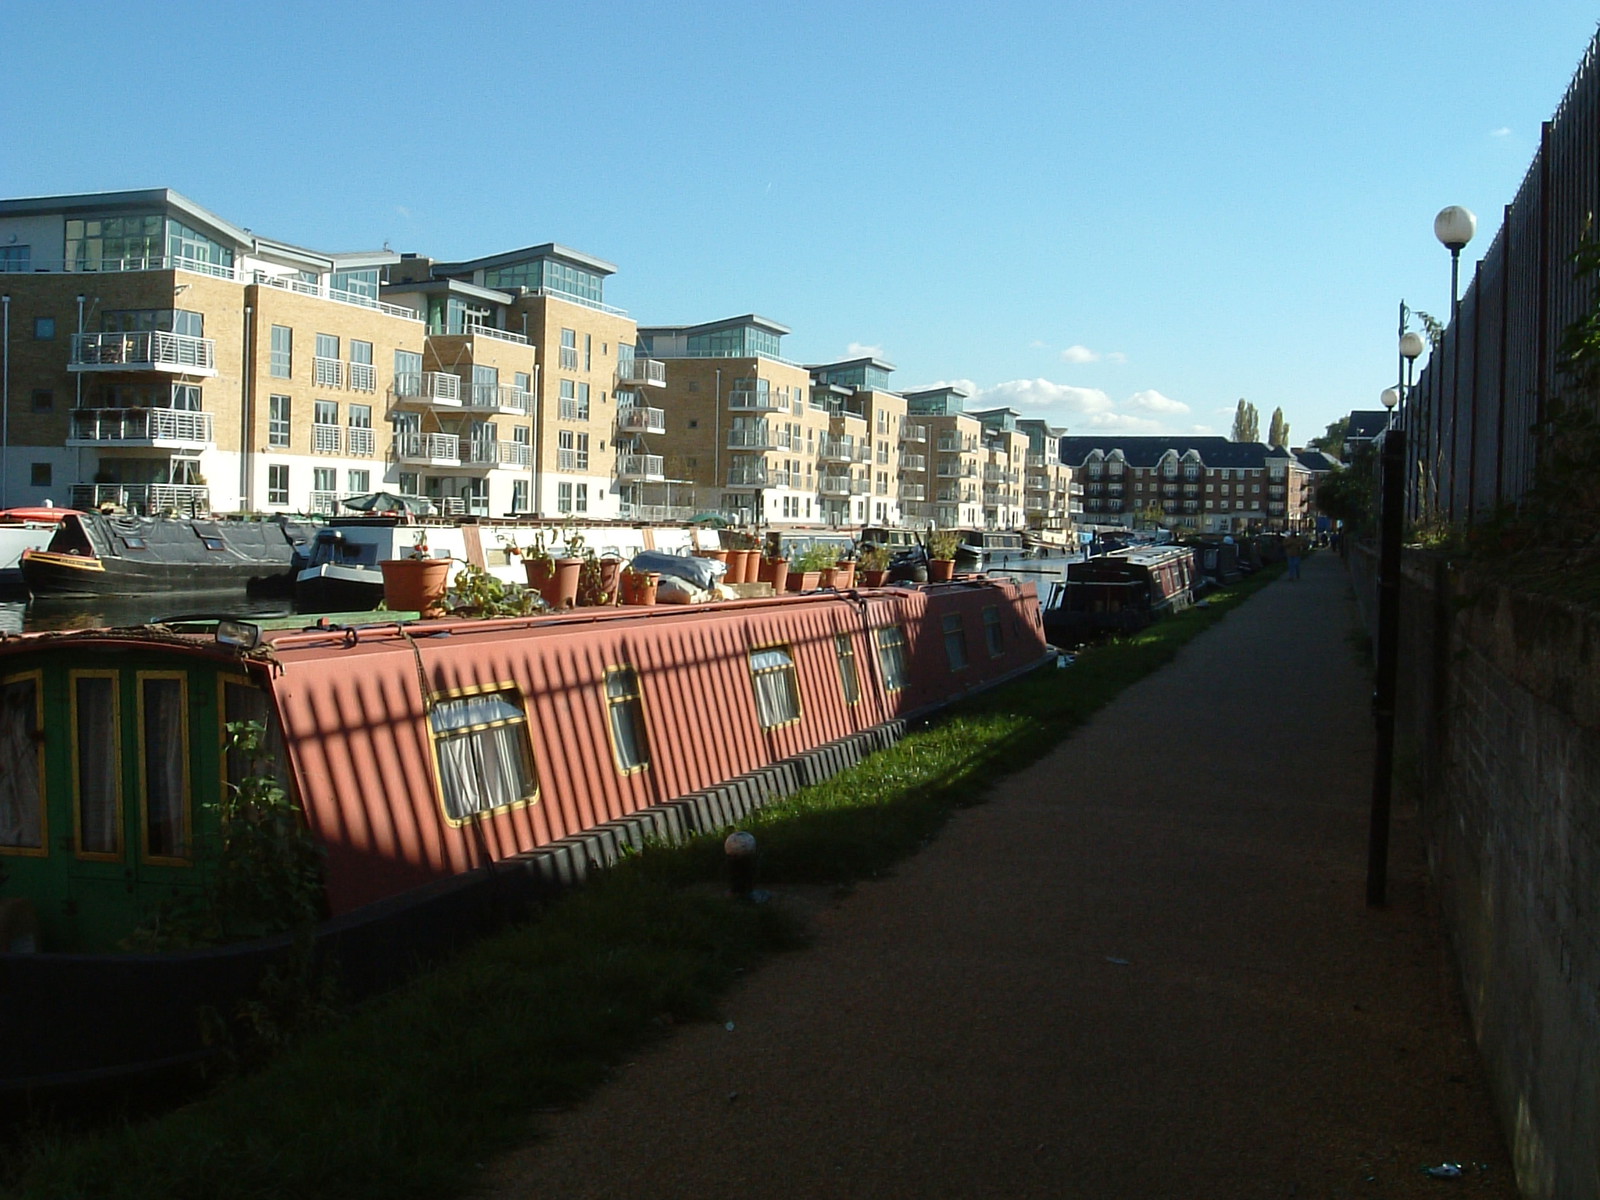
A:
<point x="1117" y="216"/>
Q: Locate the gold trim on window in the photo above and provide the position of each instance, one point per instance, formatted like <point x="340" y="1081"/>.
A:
<point x="42" y="850"/>
<point x="482" y="689"/>
<point x="187" y="799"/>
<point x="115" y="678"/>
<point x="792" y="668"/>
<point x="612" y="702"/>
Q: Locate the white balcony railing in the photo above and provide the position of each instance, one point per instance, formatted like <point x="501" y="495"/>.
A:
<point x="327" y="439"/>
<point x="642" y="372"/>
<point x="641" y="467"/>
<point x="756" y="437"/>
<point x="500" y="398"/>
<point x="569" y="358"/>
<point x="363" y="377"/>
<point x="443" y="449"/>
<point x="152" y="350"/>
<point x="438" y="387"/>
<point x="627" y="510"/>
<point x="142" y="426"/>
<point x="639" y="419"/>
<point x="913" y="491"/>
<point x="912" y="432"/>
<point x="289" y="283"/>
<point x="143" y="497"/>
<point x="493" y="454"/>
<point x="323" y="502"/>
<point x="362" y="443"/>
<point x="913" y="462"/>
<point x="745" y="400"/>
<point x="841" y="450"/>
<point x="327" y="372"/>
<point x="571" y="410"/>
<point x="842" y="485"/>
<point x="749" y="477"/>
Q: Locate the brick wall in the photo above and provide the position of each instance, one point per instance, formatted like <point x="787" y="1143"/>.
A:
<point x="1498" y="729"/>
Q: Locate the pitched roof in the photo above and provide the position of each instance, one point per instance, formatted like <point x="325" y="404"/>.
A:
<point x="1317" y="460"/>
<point x="1148" y="451"/>
<point x="1367" y="424"/>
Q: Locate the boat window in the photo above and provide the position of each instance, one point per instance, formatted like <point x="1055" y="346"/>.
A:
<point x="97" y="755"/>
<point x="892" y="657"/>
<point x="955" y="641"/>
<point x="22" y="822"/>
<point x="628" y="737"/>
<point x="484" y="755"/>
<point x="133" y="543"/>
<point x="213" y="543"/>
<point x="777" y="688"/>
<point x="847" y="668"/>
<point x="164" y="755"/>
<point x="243" y="701"/>
<point x="991" y="631"/>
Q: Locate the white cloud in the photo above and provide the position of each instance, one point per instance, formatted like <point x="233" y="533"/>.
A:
<point x="1034" y="395"/>
<point x="1152" y="401"/>
<point x="1079" y="354"/>
<point x="1503" y="131"/>
<point x="1117" y="356"/>
<point x="1036" y="344"/>
<point x="857" y="350"/>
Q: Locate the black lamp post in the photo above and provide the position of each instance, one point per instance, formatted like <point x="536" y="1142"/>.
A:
<point x="1389" y="526"/>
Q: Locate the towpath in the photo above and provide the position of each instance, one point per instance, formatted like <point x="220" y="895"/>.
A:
<point x="1145" y="969"/>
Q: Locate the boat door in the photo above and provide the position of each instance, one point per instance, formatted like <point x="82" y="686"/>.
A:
<point x="139" y="742"/>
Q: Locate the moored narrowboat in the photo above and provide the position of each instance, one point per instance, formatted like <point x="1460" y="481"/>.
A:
<point x="421" y="752"/>
<point x="1120" y="592"/>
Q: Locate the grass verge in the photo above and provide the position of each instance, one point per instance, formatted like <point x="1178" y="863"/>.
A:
<point x="405" y="1097"/>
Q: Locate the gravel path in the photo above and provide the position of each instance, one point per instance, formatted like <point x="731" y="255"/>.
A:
<point x="1144" y="969"/>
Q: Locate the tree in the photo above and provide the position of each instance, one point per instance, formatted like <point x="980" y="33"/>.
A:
<point x="1246" y="423"/>
<point x="1332" y="442"/>
<point x="1278" y="433"/>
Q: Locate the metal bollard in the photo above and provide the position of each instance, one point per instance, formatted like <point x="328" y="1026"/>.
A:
<point x="740" y="847"/>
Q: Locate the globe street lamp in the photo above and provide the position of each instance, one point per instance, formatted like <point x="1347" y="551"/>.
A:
<point x="1454" y="226"/>
<point x="1411" y="347"/>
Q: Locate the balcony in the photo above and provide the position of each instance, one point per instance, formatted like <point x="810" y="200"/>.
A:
<point x="642" y="372"/>
<point x="1038" y="483"/>
<point x="327" y="372"/>
<point x="913" y="433"/>
<point x="913" y="491"/>
<point x="569" y="358"/>
<point x="153" y="350"/>
<point x="627" y="510"/>
<point x="957" y="469"/>
<point x="155" y="427"/>
<point x="499" y="398"/>
<point x="143" y="497"/>
<point x="1038" y="460"/>
<point x="429" y="449"/>
<point x="756" y="401"/>
<point x="753" y="437"/>
<point x="428" y="387"/>
<point x="641" y="468"/>
<point x="326" y="439"/>
<point x="913" y="462"/>
<point x="363" y="377"/>
<point x="639" y="419"/>
<point x="492" y="455"/>
<point x="841" y="450"/>
<point x="361" y="441"/>
<point x="326" y="503"/>
<point x="754" y="477"/>
<point x="842" y="485"/>
<point x="571" y="410"/>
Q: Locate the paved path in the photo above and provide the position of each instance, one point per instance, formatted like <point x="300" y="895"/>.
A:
<point x="1144" y="970"/>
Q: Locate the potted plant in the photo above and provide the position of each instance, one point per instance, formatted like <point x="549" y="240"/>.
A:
<point x="805" y="573"/>
<point x="942" y="547"/>
<point x="844" y="570"/>
<point x="874" y="565"/>
<point x="416" y="582"/>
<point x="744" y="558"/>
<point x="476" y="593"/>
<point x="639" y="587"/>
<point x="594" y="586"/>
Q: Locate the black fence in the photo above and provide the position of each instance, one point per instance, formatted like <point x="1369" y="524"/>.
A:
<point x="1476" y="413"/>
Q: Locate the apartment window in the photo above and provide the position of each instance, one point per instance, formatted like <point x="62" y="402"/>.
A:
<point x="955" y="641"/>
<point x="484" y="753"/>
<point x="410" y="483"/>
<point x="278" y="420"/>
<point x="278" y="484"/>
<point x="44" y="400"/>
<point x="588" y="352"/>
<point x="523" y="381"/>
<point x="326" y="368"/>
<point x="580" y="498"/>
<point x="625" y="707"/>
<point x="569" y="349"/>
<point x="281" y="358"/>
<point x="583" y="402"/>
<point x="777" y="687"/>
<point x="363" y="375"/>
<point x="324" y="479"/>
<point x="44" y="329"/>
<point x="848" y="679"/>
<point x="407" y="372"/>
<point x="358" y="481"/>
<point x="16" y="258"/>
<point x="892" y="656"/>
<point x="39" y="474"/>
<point x="582" y="457"/>
<point x="325" y="412"/>
<point x="991" y="631"/>
<point x="519" y="495"/>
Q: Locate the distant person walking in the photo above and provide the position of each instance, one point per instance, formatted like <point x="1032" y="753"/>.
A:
<point x="1294" y="549"/>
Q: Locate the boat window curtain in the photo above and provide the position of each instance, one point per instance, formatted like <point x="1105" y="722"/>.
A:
<point x="991" y="631"/>
<point x="847" y="668"/>
<point x="21" y="785"/>
<point x="627" y="718"/>
<point x="955" y="641"/>
<point x="98" y="763"/>
<point x="482" y="765"/>
<point x="777" y="695"/>
<point x="165" y="777"/>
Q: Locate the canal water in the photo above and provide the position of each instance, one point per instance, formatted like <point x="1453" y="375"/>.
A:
<point x="17" y="616"/>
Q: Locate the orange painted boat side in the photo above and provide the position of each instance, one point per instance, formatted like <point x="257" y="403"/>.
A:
<point x="353" y="712"/>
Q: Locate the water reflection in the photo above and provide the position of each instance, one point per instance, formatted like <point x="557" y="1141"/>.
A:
<point x="118" y="611"/>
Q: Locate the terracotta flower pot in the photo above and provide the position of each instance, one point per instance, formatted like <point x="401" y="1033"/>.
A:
<point x="844" y="573"/>
<point x="803" y="581"/>
<point x="873" y="578"/>
<point x="776" y="572"/>
<point x="742" y="566"/>
<point x="639" y="587"/>
<point x="556" y="580"/>
<point x="941" y="570"/>
<point x="415" y="584"/>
